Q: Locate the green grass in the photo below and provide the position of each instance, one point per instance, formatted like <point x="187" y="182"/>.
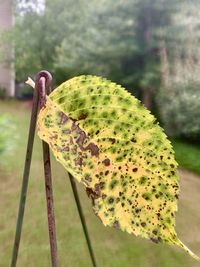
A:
<point x="113" y="248"/>
<point x="187" y="155"/>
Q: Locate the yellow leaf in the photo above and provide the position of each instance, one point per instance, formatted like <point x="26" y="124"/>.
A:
<point x="112" y="144"/>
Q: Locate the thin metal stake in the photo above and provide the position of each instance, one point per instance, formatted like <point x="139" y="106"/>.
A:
<point x="82" y="218"/>
<point x="50" y="208"/>
<point x="43" y="82"/>
<point x="25" y="179"/>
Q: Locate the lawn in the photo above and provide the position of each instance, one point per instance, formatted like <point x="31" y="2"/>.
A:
<point x="113" y="248"/>
<point x="187" y="155"/>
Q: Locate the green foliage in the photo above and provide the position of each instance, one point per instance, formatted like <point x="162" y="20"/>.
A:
<point x="7" y="134"/>
<point x="187" y="154"/>
<point x="121" y="41"/>
<point x="109" y="142"/>
<point x="111" y="38"/>
<point x="180" y="110"/>
<point x="180" y="95"/>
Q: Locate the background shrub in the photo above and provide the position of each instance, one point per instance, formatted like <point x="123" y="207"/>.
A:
<point x="180" y="109"/>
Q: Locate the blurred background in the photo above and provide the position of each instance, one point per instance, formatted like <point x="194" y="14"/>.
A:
<point x="151" y="47"/>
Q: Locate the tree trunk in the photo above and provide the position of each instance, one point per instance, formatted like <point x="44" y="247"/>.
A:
<point x="147" y="98"/>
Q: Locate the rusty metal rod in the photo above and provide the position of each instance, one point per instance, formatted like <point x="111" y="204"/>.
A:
<point x="50" y="208"/>
<point x="43" y="87"/>
<point x="82" y="218"/>
<point x="25" y="179"/>
<point x="43" y="82"/>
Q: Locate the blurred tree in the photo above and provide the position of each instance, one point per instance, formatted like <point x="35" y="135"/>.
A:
<point x="101" y="42"/>
<point x="116" y="39"/>
<point x="120" y="40"/>
<point x="153" y="18"/>
<point x="179" y="96"/>
<point x="28" y="35"/>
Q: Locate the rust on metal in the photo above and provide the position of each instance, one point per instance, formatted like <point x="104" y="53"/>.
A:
<point x="43" y="83"/>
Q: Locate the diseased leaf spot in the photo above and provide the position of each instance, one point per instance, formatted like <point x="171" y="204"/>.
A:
<point x="143" y="180"/>
<point x="110" y="200"/>
<point x="93" y="149"/>
<point x="113" y="184"/>
<point x="112" y="140"/>
<point x="82" y="116"/>
<point x="106" y="173"/>
<point x="155" y="232"/>
<point x="146" y="196"/>
<point x="63" y="118"/>
<point x="143" y="224"/>
<point x="88" y="178"/>
<point x="106" y="162"/>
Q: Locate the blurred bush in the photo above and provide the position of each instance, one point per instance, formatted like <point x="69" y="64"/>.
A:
<point x="7" y="134"/>
<point x="179" y="97"/>
<point x="180" y="110"/>
<point x="114" y="39"/>
<point x="2" y="93"/>
<point x="23" y="91"/>
<point x="124" y="41"/>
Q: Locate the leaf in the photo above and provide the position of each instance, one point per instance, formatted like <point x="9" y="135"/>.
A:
<point x="112" y="144"/>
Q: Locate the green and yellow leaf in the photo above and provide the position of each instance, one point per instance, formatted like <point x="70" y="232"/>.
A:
<point x="112" y="144"/>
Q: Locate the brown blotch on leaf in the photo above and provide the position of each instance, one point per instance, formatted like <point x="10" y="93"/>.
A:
<point x="63" y="118"/>
<point x="106" y="162"/>
<point x="155" y="232"/>
<point x="107" y="172"/>
<point x="78" y="162"/>
<point x="82" y="116"/>
<point x="110" y="200"/>
<point x="93" y="149"/>
<point x="112" y="140"/>
<point x="88" y="178"/>
<point x="137" y="210"/>
<point x="81" y="139"/>
<point x="98" y="187"/>
<point x="133" y="140"/>
<point x="91" y="194"/>
<point x="61" y="149"/>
